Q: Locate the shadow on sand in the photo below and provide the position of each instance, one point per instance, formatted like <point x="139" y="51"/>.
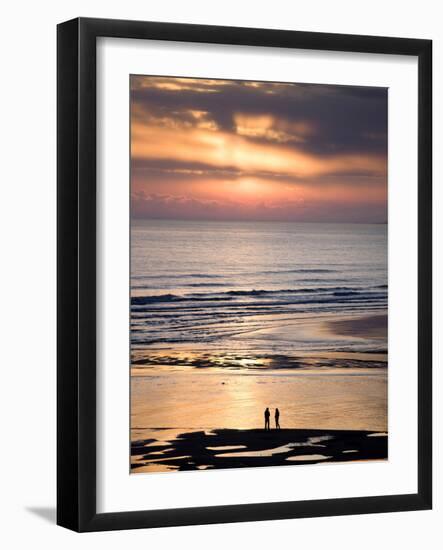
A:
<point x="250" y="448"/>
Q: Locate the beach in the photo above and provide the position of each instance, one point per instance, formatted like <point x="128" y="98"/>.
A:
<point x="273" y="325"/>
<point x="202" y="450"/>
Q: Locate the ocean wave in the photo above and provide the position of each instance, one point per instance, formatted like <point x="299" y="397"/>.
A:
<point x="301" y="270"/>
<point x="178" y="276"/>
<point x="346" y="293"/>
<point x="144" y="300"/>
<point x="230" y="295"/>
<point x="203" y="285"/>
<point x="256" y="308"/>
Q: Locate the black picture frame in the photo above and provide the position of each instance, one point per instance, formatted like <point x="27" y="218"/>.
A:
<point x="76" y="295"/>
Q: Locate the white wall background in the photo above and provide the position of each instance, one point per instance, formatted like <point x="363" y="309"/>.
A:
<point x="27" y="290"/>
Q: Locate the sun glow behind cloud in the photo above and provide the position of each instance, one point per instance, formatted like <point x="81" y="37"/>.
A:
<point x="251" y="150"/>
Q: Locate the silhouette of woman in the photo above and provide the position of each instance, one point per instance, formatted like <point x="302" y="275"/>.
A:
<point x="267" y="416"/>
<point x="277" y="417"/>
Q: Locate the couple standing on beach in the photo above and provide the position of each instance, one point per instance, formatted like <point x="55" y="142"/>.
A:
<point x="268" y="416"/>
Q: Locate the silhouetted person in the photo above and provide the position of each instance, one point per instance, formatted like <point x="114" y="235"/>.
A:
<point x="277" y="417"/>
<point x="267" y="416"/>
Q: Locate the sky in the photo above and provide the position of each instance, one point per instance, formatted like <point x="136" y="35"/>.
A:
<point x="206" y="149"/>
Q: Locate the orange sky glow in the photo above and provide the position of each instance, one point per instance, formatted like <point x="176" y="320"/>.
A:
<point x="234" y="150"/>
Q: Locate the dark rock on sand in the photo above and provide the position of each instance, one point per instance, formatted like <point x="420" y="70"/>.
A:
<point x="227" y="448"/>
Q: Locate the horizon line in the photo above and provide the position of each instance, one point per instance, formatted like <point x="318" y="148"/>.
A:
<point x="242" y="220"/>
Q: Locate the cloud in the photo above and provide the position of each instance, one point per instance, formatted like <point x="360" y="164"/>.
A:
<point x="257" y="150"/>
<point x="158" y="206"/>
<point x="223" y="150"/>
<point x="345" y="115"/>
<point x="272" y="129"/>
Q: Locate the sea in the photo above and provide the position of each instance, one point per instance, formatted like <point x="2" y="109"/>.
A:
<point x="242" y="285"/>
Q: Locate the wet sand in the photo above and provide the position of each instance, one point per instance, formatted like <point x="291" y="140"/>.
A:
<point x="227" y="448"/>
<point x="175" y="413"/>
<point x="371" y="326"/>
<point x="181" y="396"/>
<point x="143" y="361"/>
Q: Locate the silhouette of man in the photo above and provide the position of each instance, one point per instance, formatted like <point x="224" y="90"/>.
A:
<point x="267" y="416"/>
<point x="277" y="418"/>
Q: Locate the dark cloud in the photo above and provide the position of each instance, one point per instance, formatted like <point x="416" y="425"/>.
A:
<point x="347" y="119"/>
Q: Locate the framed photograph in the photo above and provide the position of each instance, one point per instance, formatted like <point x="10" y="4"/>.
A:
<point x="244" y="274"/>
